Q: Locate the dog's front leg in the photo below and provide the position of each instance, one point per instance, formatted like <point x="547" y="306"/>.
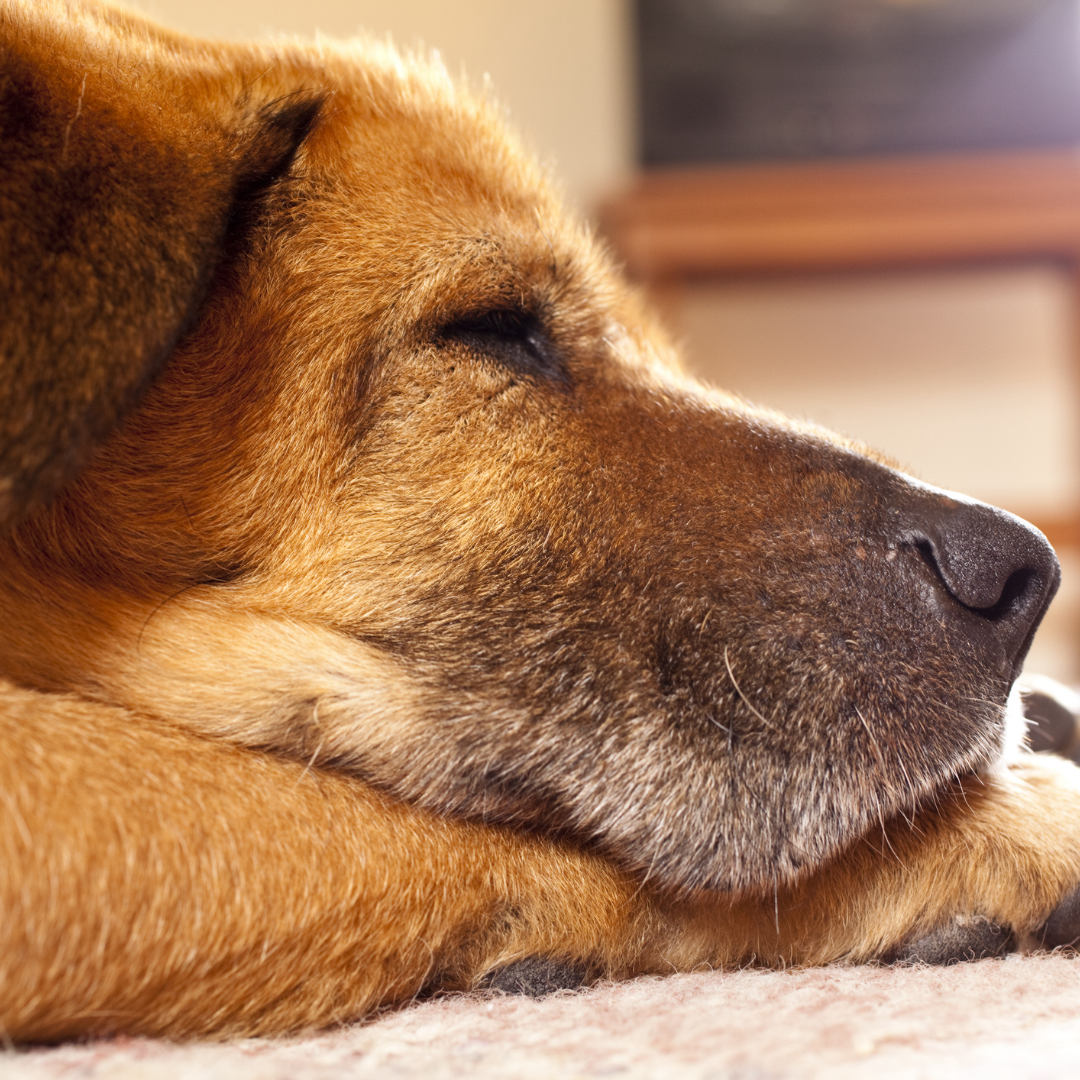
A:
<point x="152" y="882"/>
<point x="1003" y="851"/>
<point x="156" y="883"/>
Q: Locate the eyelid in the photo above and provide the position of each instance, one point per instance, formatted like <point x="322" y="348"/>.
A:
<point x="517" y="339"/>
<point x="495" y="321"/>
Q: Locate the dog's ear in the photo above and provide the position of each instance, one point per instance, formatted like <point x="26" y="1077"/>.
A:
<point x="127" y="155"/>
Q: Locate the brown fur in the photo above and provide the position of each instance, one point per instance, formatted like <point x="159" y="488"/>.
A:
<point x="421" y="501"/>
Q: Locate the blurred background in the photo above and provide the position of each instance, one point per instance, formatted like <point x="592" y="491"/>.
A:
<point x="864" y="212"/>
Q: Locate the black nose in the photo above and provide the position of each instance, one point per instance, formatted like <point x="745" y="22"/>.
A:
<point x="992" y="564"/>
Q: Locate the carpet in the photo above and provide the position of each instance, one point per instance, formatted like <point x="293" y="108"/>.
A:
<point x="1018" y="1017"/>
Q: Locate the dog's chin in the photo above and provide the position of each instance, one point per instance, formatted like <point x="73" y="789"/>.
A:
<point x="744" y="826"/>
<point x="689" y="798"/>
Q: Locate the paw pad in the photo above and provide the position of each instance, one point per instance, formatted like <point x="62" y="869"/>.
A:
<point x="965" y="938"/>
<point x="1062" y="929"/>
<point x="535" y="977"/>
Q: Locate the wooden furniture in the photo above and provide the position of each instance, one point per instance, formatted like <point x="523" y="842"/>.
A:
<point x="673" y="226"/>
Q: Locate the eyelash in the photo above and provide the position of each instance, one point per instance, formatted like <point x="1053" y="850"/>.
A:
<point x="515" y="339"/>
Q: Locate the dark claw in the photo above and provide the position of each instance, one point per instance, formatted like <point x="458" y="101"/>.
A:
<point x="535" y="977"/>
<point x="1062" y="929"/>
<point x="961" y="940"/>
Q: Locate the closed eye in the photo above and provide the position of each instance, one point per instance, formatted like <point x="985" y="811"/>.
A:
<point x="516" y="340"/>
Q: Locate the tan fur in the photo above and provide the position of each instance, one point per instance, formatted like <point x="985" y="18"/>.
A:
<point x="455" y="582"/>
<point x="161" y="884"/>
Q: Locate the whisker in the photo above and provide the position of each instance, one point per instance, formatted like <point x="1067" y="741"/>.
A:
<point x="731" y="675"/>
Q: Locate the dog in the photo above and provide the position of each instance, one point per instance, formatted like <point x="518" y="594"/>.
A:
<point x="385" y="612"/>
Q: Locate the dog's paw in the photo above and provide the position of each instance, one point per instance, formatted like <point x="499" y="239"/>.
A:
<point x="535" y="977"/>
<point x="1052" y="712"/>
<point x="994" y="868"/>
<point x="965" y="938"/>
<point x="1062" y="929"/>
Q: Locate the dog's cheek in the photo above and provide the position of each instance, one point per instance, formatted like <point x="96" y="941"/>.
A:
<point x="211" y="663"/>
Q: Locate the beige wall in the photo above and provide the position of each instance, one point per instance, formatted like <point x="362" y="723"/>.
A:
<point x="968" y="378"/>
<point x="561" y="66"/>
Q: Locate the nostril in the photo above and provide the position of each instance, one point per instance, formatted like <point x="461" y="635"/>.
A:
<point x="996" y="573"/>
<point x="1012" y="595"/>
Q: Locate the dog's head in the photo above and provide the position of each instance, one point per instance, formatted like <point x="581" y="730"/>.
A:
<point x="419" y="491"/>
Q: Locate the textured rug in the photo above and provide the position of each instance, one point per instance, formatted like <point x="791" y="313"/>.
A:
<point x="1018" y="1017"/>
